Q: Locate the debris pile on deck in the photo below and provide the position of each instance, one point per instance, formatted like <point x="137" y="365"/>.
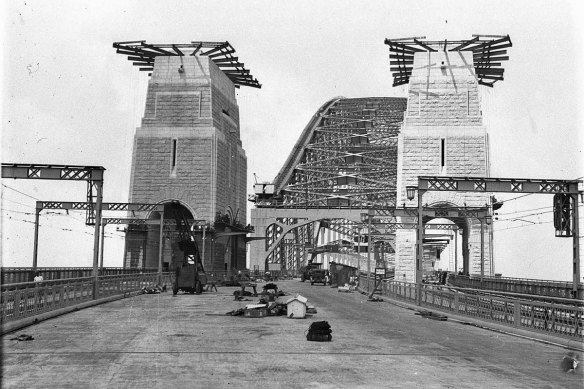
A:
<point x="319" y="331"/>
<point x="432" y="315"/>
<point x="154" y="289"/>
<point x="347" y="288"/>
<point x="271" y="304"/>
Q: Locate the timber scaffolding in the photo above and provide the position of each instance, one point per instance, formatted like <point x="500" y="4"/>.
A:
<point x="488" y="55"/>
<point x="144" y="54"/>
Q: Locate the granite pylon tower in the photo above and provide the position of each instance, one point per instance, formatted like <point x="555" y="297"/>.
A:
<point x="188" y="155"/>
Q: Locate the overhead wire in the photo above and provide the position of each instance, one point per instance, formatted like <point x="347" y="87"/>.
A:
<point x="525" y="210"/>
<point x="108" y="234"/>
<point x="52" y="225"/>
<point x="16" y="190"/>
<point x="16" y="202"/>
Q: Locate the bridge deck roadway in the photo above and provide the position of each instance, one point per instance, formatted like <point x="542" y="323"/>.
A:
<point x="161" y="341"/>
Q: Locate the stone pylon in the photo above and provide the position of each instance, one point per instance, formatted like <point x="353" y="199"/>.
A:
<point x="188" y="155"/>
<point x="443" y="135"/>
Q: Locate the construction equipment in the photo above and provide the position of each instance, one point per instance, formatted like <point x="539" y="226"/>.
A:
<point x="190" y="274"/>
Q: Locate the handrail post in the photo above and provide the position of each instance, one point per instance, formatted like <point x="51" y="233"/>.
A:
<point x="517" y="314"/>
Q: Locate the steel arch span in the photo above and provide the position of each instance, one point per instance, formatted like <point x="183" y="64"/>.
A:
<point x="344" y="162"/>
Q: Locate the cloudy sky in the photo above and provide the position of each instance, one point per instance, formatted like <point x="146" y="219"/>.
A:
<point x="67" y="98"/>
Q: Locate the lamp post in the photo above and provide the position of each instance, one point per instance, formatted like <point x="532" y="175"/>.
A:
<point x="488" y="219"/>
<point x="456" y="251"/>
<point x="411" y="193"/>
<point x="160" y="247"/>
<point x="203" y="224"/>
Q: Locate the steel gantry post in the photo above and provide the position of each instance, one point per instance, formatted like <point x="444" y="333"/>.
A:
<point x="576" y="248"/>
<point x="35" y="251"/>
<point x="99" y="196"/>
<point x="482" y="251"/>
<point x="103" y="223"/>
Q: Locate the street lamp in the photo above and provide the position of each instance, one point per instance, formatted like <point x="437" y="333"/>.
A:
<point x="411" y="192"/>
<point x="488" y="219"/>
<point x="203" y="225"/>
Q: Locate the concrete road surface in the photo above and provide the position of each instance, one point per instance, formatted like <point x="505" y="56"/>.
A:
<point x="161" y="341"/>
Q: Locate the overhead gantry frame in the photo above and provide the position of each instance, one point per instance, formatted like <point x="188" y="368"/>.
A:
<point x="92" y="174"/>
<point x="380" y="223"/>
<point x="505" y="185"/>
<point x="85" y="206"/>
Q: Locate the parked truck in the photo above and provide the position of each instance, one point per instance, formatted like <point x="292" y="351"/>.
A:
<point x="305" y="271"/>
<point x="318" y="276"/>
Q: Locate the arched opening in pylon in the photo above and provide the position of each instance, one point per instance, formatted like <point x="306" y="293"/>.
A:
<point x="449" y="251"/>
<point x="178" y="246"/>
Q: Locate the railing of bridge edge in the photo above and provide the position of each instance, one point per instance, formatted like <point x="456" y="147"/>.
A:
<point x="516" y="285"/>
<point x="19" y="301"/>
<point x="552" y="319"/>
<point x="13" y="275"/>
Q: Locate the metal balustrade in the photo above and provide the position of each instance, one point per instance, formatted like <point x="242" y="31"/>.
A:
<point x="22" y="300"/>
<point x="550" y="318"/>
<point x="516" y="285"/>
<point x="12" y="275"/>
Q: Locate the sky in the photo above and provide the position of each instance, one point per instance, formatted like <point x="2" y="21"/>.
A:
<point x="68" y="98"/>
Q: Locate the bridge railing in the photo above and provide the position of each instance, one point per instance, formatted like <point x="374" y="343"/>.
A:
<point x="516" y="285"/>
<point x="12" y="275"/>
<point x="552" y="319"/>
<point x="22" y="300"/>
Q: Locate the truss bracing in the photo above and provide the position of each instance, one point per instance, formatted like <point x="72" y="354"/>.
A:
<point x="345" y="158"/>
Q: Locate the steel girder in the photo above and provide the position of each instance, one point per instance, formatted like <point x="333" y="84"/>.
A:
<point x="345" y="158"/>
<point x="77" y="205"/>
<point x="92" y="174"/>
<point x="516" y="185"/>
<point x="288" y="251"/>
<point x="505" y="185"/>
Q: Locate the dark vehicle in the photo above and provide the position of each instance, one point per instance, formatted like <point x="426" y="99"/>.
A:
<point x="190" y="275"/>
<point x="306" y="270"/>
<point x="318" y="276"/>
<point x="190" y="278"/>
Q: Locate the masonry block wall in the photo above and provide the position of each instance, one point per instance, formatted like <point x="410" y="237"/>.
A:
<point x="188" y="149"/>
<point x="442" y="135"/>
